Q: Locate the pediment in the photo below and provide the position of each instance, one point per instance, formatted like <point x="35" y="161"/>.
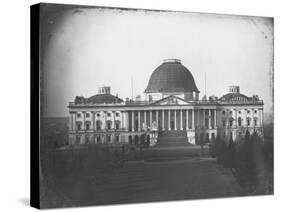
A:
<point x="172" y="100"/>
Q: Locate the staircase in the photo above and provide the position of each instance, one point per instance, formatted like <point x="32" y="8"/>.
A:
<point x="172" y="138"/>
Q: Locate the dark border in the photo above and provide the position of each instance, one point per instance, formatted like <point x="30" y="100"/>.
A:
<point x="34" y="106"/>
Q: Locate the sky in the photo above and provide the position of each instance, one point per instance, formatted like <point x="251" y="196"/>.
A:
<point x="84" y="48"/>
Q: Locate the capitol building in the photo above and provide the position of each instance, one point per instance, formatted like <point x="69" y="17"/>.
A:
<point x="171" y="109"/>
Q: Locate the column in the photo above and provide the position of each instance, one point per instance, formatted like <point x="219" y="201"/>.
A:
<point x="181" y="120"/>
<point x="193" y="120"/>
<point x="169" y="120"/>
<point x="163" y="119"/>
<point x="157" y="118"/>
<point x="127" y="120"/>
<point x="209" y="118"/>
<point x="139" y="121"/>
<point x="113" y="118"/>
<point x="261" y="117"/>
<point x="215" y="118"/>
<point x="83" y="122"/>
<point x="198" y="117"/>
<point x="175" y="119"/>
<point x="204" y="117"/>
<point x="236" y="120"/>
<point x="252" y="118"/>
<point x="245" y="118"/>
<point x="150" y="120"/>
<point x="70" y="121"/>
<point x="74" y="121"/>
<point x="186" y="112"/>
<point x="133" y="121"/>
<point x="93" y="120"/>
<point x="145" y="118"/>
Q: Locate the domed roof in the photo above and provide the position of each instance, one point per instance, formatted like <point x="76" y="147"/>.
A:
<point x="104" y="99"/>
<point x="98" y="99"/>
<point x="234" y="97"/>
<point x="171" y="76"/>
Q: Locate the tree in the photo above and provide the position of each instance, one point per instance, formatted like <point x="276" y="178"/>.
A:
<point x="231" y="154"/>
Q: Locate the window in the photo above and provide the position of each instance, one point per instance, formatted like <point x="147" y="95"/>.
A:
<point x="239" y="112"/>
<point x="230" y="123"/>
<point x="255" y="122"/>
<point x="117" y="114"/>
<point x="78" y="126"/>
<point x="87" y="139"/>
<point x="239" y="121"/>
<point x="78" y="139"/>
<point x="256" y="111"/>
<point x="248" y="111"/>
<point x="78" y="115"/>
<point x="117" y="138"/>
<point x="87" y="115"/>
<point x="108" y="114"/>
<point x="248" y="122"/>
<point x="223" y="123"/>
<point x="87" y="126"/>
<point x="98" y="139"/>
<point x="230" y="112"/>
<point x="98" y="124"/>
<point x="108" y="124"/>
<point x="108" y="138"/>
<point x="98" y="115"/>
<point x="117" y="126"/>
<point x="223" y="112"/>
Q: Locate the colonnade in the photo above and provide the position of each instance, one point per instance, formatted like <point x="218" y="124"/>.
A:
<point x="171" y="119"/>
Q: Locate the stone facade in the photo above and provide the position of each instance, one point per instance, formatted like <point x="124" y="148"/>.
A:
<point x="112" y="120"/>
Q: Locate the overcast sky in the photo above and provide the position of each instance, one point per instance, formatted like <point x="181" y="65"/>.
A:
<point x="85" y="48"/>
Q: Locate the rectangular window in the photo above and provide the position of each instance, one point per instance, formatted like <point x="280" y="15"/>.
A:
<point x="223" y="123"/>
<point x="248" y="122"/>
<point x="78" y="126"/>
<point x="87" y="126"/>
<point x="230" y="123"/>
<point x="78" y="138"/>
<point x="87" y="139"/>
<point x="255" y="121"/>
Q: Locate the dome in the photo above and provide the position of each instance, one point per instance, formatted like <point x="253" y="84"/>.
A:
<point x="171" y="76"/>
<point x="234" y="97"/>
<point x="98" y="99"/>
<point x="104" y="99"/>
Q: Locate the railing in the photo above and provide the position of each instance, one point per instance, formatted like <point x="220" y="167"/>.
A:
<point x="199" y="102"/>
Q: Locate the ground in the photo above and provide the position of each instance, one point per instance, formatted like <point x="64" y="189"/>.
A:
<point x="154" y="175"/>
<point x="169" y="180"/>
